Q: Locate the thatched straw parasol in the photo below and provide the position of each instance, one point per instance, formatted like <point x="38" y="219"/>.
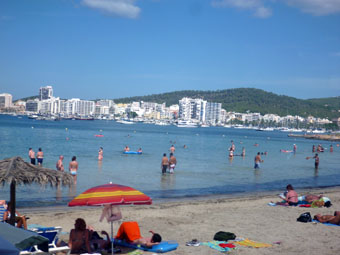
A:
<point x="16" y="171"/>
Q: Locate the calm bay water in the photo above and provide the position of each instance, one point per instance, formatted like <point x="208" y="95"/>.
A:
<point x="203" y="167"/>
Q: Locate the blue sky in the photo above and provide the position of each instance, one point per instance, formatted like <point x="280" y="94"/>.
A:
<point x="116" y="48"/>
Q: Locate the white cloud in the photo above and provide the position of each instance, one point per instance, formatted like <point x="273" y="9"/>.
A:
<point x="124" y="8"/>
<point x="256" y="6"/>
<point x="316" y="7"/>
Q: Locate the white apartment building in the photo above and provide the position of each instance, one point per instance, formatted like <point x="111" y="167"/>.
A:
<point x="192" y="109"/>
<point x="213" y="112"/>
<point x="45" y="92"/>
<point x="5" y="100"/>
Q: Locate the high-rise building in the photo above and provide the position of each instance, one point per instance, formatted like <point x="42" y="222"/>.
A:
<point x="45" y="92"/>
<point x="213" y="112"/>
<point x="191" y="109"/>
<point x="5" y="100"/>
<point x="33" y="106"/>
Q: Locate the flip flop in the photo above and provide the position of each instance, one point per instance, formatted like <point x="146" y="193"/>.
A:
<point x="193" y="242"/>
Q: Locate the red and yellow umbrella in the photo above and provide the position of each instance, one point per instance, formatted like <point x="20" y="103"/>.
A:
<point x="113" y="194"/>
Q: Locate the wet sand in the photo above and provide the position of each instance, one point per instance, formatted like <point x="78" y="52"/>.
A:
<point x="247" y="217"/>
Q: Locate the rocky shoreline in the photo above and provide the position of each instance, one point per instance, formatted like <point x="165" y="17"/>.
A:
<point x="324" y="137"/>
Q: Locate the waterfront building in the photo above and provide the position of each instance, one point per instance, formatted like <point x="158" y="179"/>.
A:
<point x="33" y="106"/>
<point x="5" y="100"/>
<point x="192" y="109"/>
<point x="51" y="106"/>
<point x="213" y="112"/>
<point x="45" y="92"/>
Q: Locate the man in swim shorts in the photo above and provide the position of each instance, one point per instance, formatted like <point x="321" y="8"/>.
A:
<point x="172" y="149"/>
<point x="73" y="167"/>
<point x="172" y="163"/>
<point x="317" y="160"/>
<point x="129" y="231"/>
<point x="40" y="157"/>
<point x="165" y="163"/>
<point x="258" y="160"/>
<point x="31" y="155"/>
<point x="59" y="165"/>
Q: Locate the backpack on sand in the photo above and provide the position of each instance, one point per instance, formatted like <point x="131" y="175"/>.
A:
<point x="224" y="236"/>
<point x="305" y="217"/>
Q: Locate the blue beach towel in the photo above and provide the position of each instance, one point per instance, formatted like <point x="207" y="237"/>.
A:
<point x="327" y="224"/>
<point x="159" y="248"/>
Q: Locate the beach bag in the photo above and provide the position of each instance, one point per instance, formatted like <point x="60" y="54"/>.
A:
<point x="224" y="236"/>
<point x="305" y="217"/>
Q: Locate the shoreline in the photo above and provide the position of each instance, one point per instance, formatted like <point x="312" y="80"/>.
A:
<point x="332" y="138"/>
<point x="246" y="216"/>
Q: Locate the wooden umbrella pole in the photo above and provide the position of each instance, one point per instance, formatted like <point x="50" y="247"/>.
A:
<point x="12" y="197"/>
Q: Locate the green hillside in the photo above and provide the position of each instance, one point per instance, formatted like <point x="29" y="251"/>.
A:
<point x="254" y="100"/>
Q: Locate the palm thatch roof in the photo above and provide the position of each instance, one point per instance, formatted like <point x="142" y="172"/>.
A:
<point x="17" y="170"/>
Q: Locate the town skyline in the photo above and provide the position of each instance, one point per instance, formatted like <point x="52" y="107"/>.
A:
<point x="95" y="48"/>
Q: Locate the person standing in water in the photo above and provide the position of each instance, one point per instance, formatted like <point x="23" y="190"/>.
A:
<point x="172" y="163"/>
<point x="172" y="149"/>
<point x="317" y="160"/>
<point x="258" y="160"/>
<point x="231" y="152"/>
<point x="100" y="153"/>
<point x="313" y="148"/>
<point x="59" y="165"/>
<point x="31" y="155"/>
<point x="243" y="154"/>
<point x="40" y="156"/>
<point x="73" y="167"/>
<point x="294" y="148"/>
<point x="165" y="163"/>
<point x="331" y="148"/>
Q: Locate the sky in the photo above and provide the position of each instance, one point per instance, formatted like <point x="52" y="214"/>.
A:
<point x="93" y="49"/>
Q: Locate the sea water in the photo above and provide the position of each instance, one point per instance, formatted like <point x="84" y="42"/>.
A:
<point x="203" y="168"/>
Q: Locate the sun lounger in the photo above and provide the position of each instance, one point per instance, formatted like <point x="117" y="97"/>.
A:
<point x="159" y="248"/>
<point x="51" y="233"/>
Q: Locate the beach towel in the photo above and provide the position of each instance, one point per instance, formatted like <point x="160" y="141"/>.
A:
<point x="216" y="245"/>
<point x="250" y="243"/>
<point x="162" y="247"/>
<point x="327" y="224"/>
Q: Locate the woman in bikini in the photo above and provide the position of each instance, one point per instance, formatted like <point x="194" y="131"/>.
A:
<point x="73" y="167"/>
<point x="79" y="241"/>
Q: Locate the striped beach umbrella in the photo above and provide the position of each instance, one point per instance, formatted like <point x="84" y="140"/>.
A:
<point x="113" y="194"/>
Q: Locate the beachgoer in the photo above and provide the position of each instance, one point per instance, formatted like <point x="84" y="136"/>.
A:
<point x="184" y="146"/>
<point x="31" y="155"/>
<point x="256" y="144"/>
<point x="313" y="148"/>
<point x="331" y="148"/>
<point x="60" y="165"/>
<point x="311" y="198"/>
<point x="165" y="163"/>
<point x="73" y="167"/>
<point x="100" y="153"/>
<point x="172" y="163"/>
<point x="294" y="148"/>
<point x="317" y="160"/>
<point x="129" y="231"/>
<point x="40" y="156"/>
<point x="97" y="242"/>
<point x="258" y="160"/>
<point x="291" y="197"/>
<point x="139" y="150"/>
<point x="172" y="149"/>
<point x="334" y="219"/>
<point x="232" y="146"/>
<point x="231" y="152"/>
<point x="20" y="220"/>
<point x="79" y="241"/>
<point x="243" y="154"/>
<point x="126" y="149"/>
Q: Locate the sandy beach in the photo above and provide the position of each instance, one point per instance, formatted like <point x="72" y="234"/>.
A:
<point x="248" y="217"/>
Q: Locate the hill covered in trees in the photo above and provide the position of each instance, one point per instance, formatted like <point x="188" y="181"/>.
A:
<point x="250" y="99"/>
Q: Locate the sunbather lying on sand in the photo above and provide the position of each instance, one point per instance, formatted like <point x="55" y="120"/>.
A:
<point x="129" y="231"/>
<point x="312" y="198"/>
<point x="334" y="219"/>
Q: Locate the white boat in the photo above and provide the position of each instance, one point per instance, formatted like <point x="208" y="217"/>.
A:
<point x="125" y="122"/>
<point x="186" y="124"/>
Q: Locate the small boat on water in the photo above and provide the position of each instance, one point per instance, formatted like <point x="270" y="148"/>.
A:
<point x="186" y="124"/>
<point x="125" y="122"/>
